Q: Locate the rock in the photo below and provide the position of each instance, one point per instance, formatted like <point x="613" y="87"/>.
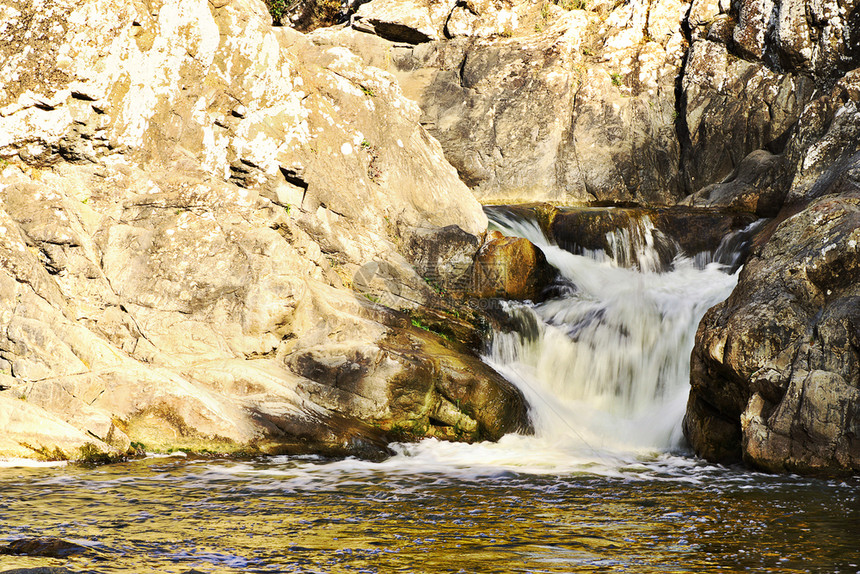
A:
<point x="403" y="21"/>
<point x="773" y="371"/>
<point x="532" y="102"/>
<point x="174" y="262"/>
<point x="783" y="54"/>
<point x="443" y="257"/>
<point x="415" y="23"/>
<point x="623" y="233"/>
<point x="724" y="114"/>
<point x="511" y="268"/>
<point x="758" y="185"/>
<point x="775" y="367"/>
<point x="48" y="547"/>
<point x="414" y="382"/>
<point x="31" y="432"/>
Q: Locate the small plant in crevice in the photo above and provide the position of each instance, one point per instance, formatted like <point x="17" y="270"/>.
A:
<point x="418" y="324"/>
<point x="374" y="172"/>
<point x="571" y="4"/>
<point x="305" y="15"/>
<point x="617" y="80"/>
<point x="543" y="18"/>
<point x="438" y="289"/>
<point x="545" y="13"/>
<point x="367" y="90"/>
<point x="279" y="8"/>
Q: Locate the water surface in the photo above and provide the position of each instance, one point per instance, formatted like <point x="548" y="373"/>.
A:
<point x="667" y="514"/>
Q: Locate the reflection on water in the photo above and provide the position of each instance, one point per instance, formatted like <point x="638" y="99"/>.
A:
<point x="668" y="514"/>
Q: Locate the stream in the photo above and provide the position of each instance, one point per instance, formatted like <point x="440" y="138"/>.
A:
<point x="604" y="485"/>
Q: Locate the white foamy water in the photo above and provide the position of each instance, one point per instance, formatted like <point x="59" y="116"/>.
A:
<point x="28" y="463"/>
<point x="604" y="367"/>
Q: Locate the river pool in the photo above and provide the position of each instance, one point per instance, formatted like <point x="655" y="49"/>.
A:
<point x="418" y="512"/>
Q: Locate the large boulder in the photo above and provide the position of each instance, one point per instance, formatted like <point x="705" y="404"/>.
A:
<point x="773" y="371"/>
<point x="511" y="268"/>
<point x="186" y="198"/>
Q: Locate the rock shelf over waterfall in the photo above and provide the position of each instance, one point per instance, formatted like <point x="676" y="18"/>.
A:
<point x="220" y="235"/>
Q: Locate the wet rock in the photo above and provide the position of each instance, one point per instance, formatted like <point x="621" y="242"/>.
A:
<point x="773" y="375"/>
<point x="700" y="230"/>
<point x="42" y="570"/>
<point x="775" y="367"/>
<point x="414" y="382"/>
<point x="511" y="268"/>
<point x="622" y="233"/>
<point x="47" y="547"/>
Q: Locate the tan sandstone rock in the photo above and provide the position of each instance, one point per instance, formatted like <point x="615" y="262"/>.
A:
<point x="186" y="195"/>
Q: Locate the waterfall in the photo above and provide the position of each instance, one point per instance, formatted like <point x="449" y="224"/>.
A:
<point x="607" y="362"/>
<point x="604" y="363"/>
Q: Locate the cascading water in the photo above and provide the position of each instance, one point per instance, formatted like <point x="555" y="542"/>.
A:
<point x="605" y="364"/>
<point x="609" y="361"/>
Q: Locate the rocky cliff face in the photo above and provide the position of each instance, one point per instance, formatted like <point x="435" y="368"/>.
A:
<point x="186" y="198"/>
<point x="215" y="234"/>
<point x="551" y="101"/>
<point x="774" y="371"/>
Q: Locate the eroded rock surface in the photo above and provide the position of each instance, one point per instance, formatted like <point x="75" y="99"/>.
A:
<point x="744" y="106"/>
<point x="532" y="101"/>
<point x="186" y="196"/>
<point x="752" y="71"/>
<point x="774" y="370"/>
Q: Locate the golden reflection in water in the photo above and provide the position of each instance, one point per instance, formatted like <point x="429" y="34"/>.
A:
<point x="276" y="515"/>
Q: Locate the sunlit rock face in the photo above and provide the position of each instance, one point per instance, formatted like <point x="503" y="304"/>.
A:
<point x="538" y="101"/>
<point x="186" y="195"/>
<point x="749" y="106"/>
<point x="753" y="69"/>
